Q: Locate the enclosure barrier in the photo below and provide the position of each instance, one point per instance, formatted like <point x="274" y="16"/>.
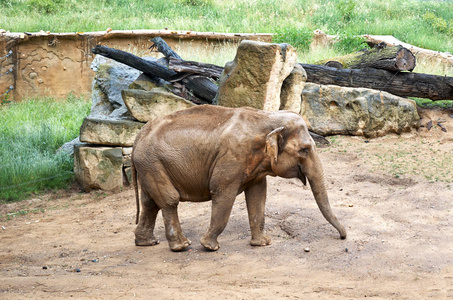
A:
<point x="58" y="64"/>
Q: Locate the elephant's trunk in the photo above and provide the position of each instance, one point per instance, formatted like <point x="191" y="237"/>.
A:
<point x="316" y="180"/>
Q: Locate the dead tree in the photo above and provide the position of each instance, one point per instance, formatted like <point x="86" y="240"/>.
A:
<point x="201" y="88"/>
<point x="193" y="67"/>
<point x="200" y="85"/>
<point x="394" y="59"/>
<point x="402" y="84"/>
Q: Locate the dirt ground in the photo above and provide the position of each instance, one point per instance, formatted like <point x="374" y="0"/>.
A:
<point x="394" y="195"/>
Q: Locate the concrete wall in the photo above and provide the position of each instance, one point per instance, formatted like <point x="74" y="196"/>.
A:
<point x="57" y="64"/>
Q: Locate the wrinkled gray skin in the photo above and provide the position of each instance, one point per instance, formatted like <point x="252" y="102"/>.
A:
<point x="215" y="153"/>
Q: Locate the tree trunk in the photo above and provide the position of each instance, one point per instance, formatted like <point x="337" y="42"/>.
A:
<point x="394" y="59"/>
<point x="206" y="91"/>
<point x="403" y="84"/>
<point x="201" y="86"/>
<point x="207" y="70"/>
<point x="150" y="68"/>
<point x="445" y="59"/>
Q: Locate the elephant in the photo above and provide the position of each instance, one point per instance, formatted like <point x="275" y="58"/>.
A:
<point x="214" y="153"/>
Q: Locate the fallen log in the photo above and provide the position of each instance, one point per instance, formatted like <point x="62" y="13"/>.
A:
<point x="382" y="57"/>
<point x="204" y="91"/>
<point x="402" y="84"/>
<point x="185" y="66"/>
<point x="150" y="68"/>
<point x="201" y="86"/>
<point x="443" y="59"/>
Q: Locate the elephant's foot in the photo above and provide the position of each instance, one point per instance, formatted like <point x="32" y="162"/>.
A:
<point x="262" y="240"/>
<point x="179" y="244"/>
<point x="210" y="243"/>
<point x="148" y="242"/>
<point x="145" y="239"/>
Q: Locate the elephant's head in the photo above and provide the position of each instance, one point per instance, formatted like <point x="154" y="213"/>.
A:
<point x="293" y="154"/>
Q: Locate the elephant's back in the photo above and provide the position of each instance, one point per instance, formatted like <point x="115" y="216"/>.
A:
<point x="202" y="129"/>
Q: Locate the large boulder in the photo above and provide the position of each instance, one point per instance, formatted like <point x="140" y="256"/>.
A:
<point x="255" y="76"/>
<point x="148" y="105"/>
<point x="98" y="167"/>
<point x="330" y="110"/>
<point x="109" y="131"/>
<point x="111" y="77"/>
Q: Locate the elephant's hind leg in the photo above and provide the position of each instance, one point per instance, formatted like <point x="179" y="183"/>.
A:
<point x="176" y="240"/>
<point x="144" y="233"/>
<point x="160" y="188"/>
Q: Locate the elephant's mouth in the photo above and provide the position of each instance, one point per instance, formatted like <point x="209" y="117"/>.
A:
<point x="301" y="175"/>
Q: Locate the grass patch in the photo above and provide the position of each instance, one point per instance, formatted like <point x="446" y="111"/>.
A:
<point x="31" y="133"/>
<point x="427" y="103"/>
<point x="12" y="215"/>
<point x="426" y="24"/>
<point x="296" y="37"/>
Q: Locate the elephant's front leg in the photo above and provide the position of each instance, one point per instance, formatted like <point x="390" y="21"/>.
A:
<point x="221" y="210"/>
<point x="255" y="197"/>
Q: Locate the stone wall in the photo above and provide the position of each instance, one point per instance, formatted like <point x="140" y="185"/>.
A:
<point x="57" y="64"/>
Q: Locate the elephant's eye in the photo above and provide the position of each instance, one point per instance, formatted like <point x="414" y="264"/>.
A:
<point x="303" y="151"/>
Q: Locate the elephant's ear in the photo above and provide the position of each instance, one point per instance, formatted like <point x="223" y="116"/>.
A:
<point x="272" y="143"/>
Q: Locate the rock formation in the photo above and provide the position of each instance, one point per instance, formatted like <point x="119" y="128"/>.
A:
<point x="330" y="110"/>
<point x="255" y="76"/>
<point x="123" y="100"/>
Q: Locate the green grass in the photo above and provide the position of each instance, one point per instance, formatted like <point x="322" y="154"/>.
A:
<point x="427" y="103"/>
<point x="30" y="134"/>
<point x="426" y="24"/>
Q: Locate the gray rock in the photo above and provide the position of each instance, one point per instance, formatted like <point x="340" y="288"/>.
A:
<point x="256" y="75"/>
<point x="148" y="105"/>
<point x="330" y="110"/>
<point x="68" y="148"/>
<point x="111" y="78"/>
<point x="98" y="167"/>
<point x="108" y="131"/>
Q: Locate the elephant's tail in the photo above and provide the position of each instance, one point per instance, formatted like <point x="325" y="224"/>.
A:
<point x="135" y="183"/>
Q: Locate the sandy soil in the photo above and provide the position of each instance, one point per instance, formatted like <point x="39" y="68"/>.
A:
<point x="394" y="194"/>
